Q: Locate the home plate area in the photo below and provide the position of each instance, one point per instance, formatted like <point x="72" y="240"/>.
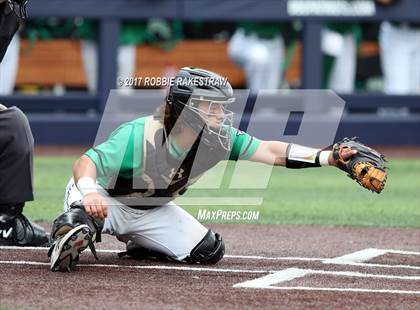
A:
<point x="366" y="278"/>
<point x="343" y="281"/>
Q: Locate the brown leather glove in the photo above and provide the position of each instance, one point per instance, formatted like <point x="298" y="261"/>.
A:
<point x="367" y="166"/>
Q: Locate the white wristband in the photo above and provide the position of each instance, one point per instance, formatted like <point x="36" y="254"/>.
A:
<point x="86" y="185"/>
<point x="323" y="158"/>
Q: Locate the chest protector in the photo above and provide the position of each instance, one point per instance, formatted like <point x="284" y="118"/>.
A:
<point x="164" y="177"/>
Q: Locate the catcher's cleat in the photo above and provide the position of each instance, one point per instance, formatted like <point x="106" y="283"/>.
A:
<point x="64" y="253"/>
<point x="17" y="230"/>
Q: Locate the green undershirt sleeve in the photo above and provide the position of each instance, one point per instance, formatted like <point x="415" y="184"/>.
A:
<point x="243" y="145"/>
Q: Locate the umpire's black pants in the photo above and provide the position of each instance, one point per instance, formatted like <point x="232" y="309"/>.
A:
<point x="16" y="158"/>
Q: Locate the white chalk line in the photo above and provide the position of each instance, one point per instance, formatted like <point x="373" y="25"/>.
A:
<point x="274" y="276"/>
<point x="358" y="258"/>
<point x="348" y="257"/>
<point x="293" y="273"/>
<point x="338" y="289"/>
<point x="371" y="265"/>
<point x="352" y="259"/>
<point x="362" y="275"/>
<point x="368" y="254"/>
<point x="153" y="267"/>
<point x="403" y="252"/>
<point x="267" y="281"/>
<point x="226" y="256"/>
<point x="275" y="258"/>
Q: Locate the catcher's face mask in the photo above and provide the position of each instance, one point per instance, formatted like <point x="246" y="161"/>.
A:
<point x="217" y="118"/>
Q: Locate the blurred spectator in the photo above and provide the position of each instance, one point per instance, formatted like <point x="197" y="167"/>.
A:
<point x="339" y="44"/>
<point x="259" y="49"/>
<point x="42" y="29"/>
<point x="369" y="72"/>
<point x="126" y="58"/>
<point x="400" y="55"/>
<point x="155" y="31"/>
<point x="88" y="32"/>
<point x="9" y="67"/>
<point x="201" y="30"/>
<point x="51" y="29"/>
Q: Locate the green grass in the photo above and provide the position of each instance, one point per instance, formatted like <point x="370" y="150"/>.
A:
<point x="308" y="196"/>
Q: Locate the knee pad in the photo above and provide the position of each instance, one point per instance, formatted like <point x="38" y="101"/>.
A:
<point x="76" y="216"/>
<point x="209" y="250"/>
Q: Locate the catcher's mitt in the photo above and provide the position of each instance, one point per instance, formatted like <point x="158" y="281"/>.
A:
<point x="367" y="166"/>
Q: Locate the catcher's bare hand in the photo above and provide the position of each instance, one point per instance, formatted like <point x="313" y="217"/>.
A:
<point x="96" y="205"/>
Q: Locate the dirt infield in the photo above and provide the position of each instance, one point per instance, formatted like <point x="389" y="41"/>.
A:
<point x="266" y="266"/>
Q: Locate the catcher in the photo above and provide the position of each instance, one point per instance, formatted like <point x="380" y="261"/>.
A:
<point x="126" y="185"/>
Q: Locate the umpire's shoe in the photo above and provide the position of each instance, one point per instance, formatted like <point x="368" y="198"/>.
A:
<point x="17" y="230"/>
<point x="64" y="253"/>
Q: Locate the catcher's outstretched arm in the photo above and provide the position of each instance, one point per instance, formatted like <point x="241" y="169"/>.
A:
<point x="362" y="163"/>
<point x="271" y="153"/>
<point x="285" y="154"/>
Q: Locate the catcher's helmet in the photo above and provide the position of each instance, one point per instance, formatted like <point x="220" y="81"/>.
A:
<point x="194" y="86"/>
